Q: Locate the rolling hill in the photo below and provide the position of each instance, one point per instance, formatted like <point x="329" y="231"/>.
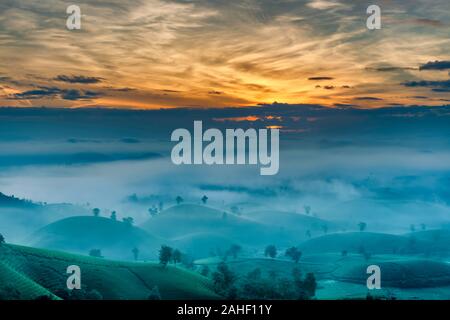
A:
<point x="82" y="233"/>
<point x="184" y="220"/>
<point x="29" y="273"/>
<point x="374" y="243"/>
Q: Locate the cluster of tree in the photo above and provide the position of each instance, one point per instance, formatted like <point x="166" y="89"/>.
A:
<point x="168" y="254"/>
<point x="256" y="287"/>
<point x="97" y="253"/>
<point x="2" y="239"/>
<point x="271" y="251"/>
<point x="126" y="220"/>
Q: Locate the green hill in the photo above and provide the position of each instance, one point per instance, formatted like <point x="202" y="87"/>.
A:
<point x="81" y="234"/>
<point x="398" y="273"/>
<point x="35" y="272"/>
<point x="374" y="243"/>
<point x="291" y="221"/>
<point x="187" y="219"/>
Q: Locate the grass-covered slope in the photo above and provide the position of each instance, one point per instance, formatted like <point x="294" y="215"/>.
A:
<point x="187" y="219"/>
<point x="36" y="272"/>
<point x="373" y="243"/>
<point x="81" y="234"/>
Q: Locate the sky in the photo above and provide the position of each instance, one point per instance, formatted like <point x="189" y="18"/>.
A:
<point x="208" y="53"/>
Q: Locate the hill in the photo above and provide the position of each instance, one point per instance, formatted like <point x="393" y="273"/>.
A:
<point x="374" y="243"/>
<point x="181" y="221"/>
<point x="32" y="273"/>
<point x="81" y="234"/>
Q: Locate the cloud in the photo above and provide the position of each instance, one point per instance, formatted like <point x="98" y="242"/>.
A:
<point x="53" y="93"/>
<point x="435" y="65"/>
<point x="436" y="84"/>
<point x="78" y="79"/>
<point x="389" y="68"/>
<point x="368" y="99"/>
<point x="320" y="78"/>
<point x="323" y="4"/>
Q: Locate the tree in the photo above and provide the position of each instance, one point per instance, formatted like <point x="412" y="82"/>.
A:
<point x="97" y="253"/>
<point x="235" y="210"/>
<point x="271" y="251"/>
<point x="344" y="253"/>
<point x="129" y="221"/>
<point x="310" y="285"/>
<point x="179" y="200"/>
<point x="223" y="278"/>
<point x="2" y="239"/>
<point x="154" y="294"/>
<point x="96" y="212"/>
<point x="205" y="271"/>
<point x="412" y="228"/>
<point x="423" y="226"/>
<point x="161" y="206"/>
<point x="307" y="209"/>
<point x="135" y="253"/>
<point x="362" y="226"/>
<point x="165" y="255"/>
<point x="114" y="216"/>
<point x="294" y="253"/>
<point x="234" y="250"/>
<point x="204" y="199"/>
<point x="308" y="233"/>
<point x="153" y="211"/>
<point x="176" y="256"/>
<point x="325" y="228"/>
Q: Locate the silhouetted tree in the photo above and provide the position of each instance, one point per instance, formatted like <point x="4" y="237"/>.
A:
<point x="204" y="199"/>
<point x="205" y="271"/>
<point x="234" y="250"/>
<point x="135" y="253"/>
<point x="114" y="216"/>
<point x="362" y="226"/>
<point x="307" y="209"/>
<point x="96" y="212"/>
<point x="310" y="285"/>
<point x="325" y="228"/>
<point x="129" y="221"/>
<point x="154" y="294"/>
<point x="176" y="256"/>
<point x="271" y="251"/>
<point x="97" y="253"/>
<point x="294" y="253"/>
<point x="423" y="226"/>
<point x="165" y="255"/>
<point x="223" y="278"/>
<point x="344" y="253"/>
<point x="161" y="206"/>
<point x="179" y="200"/>
<point x="2" y="239"/>
<point x="153" y="211"/>
<point x="235" y="210"/>
<point x="308" y="233"/>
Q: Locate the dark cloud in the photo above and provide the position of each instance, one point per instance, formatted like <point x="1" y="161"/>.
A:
<point x="215" y="92"/>
<point x="438" y="85"/>
<point x="435" y="65"/>
<point x="54" y="92"/>
<point x="389" y="69"/>
<point x="320" y="78"/>
<point x="368" y="98"/>
<point x="328" y="87"/>
<point x="78" y="79"/>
